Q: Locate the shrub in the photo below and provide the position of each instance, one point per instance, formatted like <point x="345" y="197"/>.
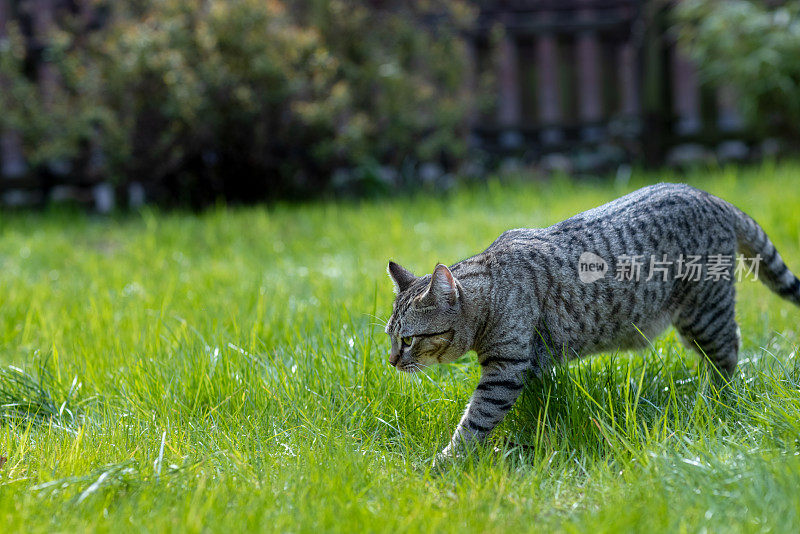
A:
<point x="753" y="47"/>
<point x="249" y="99"/>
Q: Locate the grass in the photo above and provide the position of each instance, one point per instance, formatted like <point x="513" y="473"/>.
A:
<point x="227" y="372"/>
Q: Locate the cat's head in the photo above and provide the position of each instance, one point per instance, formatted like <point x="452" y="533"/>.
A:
<point x="426" y="326"/>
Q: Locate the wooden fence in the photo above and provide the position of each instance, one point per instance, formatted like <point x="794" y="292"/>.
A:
<point x="582" y="74"/>
<point x="597" y="77"/>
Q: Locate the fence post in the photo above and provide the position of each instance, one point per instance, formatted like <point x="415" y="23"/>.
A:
<point x="729" y="121"/>
<point x="549" y="97"/>
<point x="471" y="53"/>
<point x="656" y="101"/>
<point x="728" y="117"/>
<point x="628" y="81"/>
<point x="686" y="95"/>
<point x="589" y="85"/>
<point x="509" y="104"/>
<point x="11" y="158"/>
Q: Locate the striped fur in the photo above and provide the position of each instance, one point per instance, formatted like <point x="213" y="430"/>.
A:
<point x="522" y="307"/>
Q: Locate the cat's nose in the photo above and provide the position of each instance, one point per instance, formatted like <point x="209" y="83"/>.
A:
<point x="394" y="357"/>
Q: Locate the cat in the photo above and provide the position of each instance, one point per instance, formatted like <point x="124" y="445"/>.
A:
<point x="539" y="296"/>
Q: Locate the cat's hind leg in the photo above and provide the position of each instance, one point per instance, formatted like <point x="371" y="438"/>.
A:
<point x="707" y="324"/>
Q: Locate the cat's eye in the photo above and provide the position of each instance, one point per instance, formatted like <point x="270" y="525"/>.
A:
<point x="406" y="341"/>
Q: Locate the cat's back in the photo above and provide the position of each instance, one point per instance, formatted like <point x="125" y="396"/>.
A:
<point x="643" y="212"/>
<point x="659" y="201"/>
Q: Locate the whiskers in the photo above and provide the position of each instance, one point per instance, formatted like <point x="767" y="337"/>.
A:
<point x="414" y="373"/>
<point x="413" y="367"/>
<point x="379" y="321"/>
<point x="417" y="368"/>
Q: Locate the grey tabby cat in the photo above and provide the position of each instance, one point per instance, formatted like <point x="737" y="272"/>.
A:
<point x="523" y="304"/>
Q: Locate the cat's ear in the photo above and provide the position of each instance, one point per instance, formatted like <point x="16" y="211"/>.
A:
<point x="401" y="277"/>
<point x="442" y="289"/>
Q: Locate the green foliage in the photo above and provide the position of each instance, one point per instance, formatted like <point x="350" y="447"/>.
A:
<point x="753" y="48"/>
<point x="226" y="371"/>
<point x="54" y="123"/>
<point x="249" y="98"/>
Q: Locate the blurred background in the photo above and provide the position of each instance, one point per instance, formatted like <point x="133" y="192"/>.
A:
<point x="190" y="102"/>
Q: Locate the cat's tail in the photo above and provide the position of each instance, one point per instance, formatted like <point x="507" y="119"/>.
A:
<point x="756" y="245"/>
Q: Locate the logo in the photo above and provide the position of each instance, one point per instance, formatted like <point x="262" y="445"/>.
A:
<point x="591" y="267"/>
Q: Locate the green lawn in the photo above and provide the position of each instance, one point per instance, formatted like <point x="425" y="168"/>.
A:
<point x="227" y="371"/>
